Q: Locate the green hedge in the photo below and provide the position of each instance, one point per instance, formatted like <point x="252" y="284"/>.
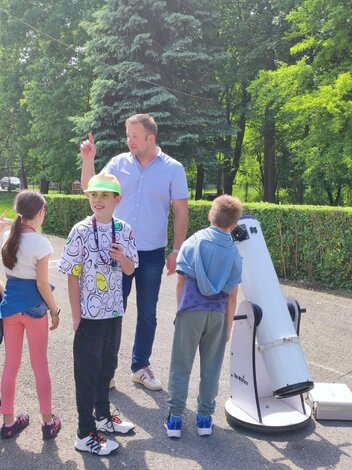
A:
<point x="306" y="243"/>
<point x="63" y="212"/>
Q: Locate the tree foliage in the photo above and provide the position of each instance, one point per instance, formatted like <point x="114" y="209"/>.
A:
<point x="160" y="58"/>
<point x="252" y="32"/>
<point x="44" y="83"/>
<point x="311" y="101"/>
<point x="260" y="90"/>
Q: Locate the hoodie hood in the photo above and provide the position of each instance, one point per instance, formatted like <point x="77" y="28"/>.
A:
<point x="211" y="257"/>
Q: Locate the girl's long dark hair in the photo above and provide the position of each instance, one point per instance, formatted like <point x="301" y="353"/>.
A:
<point x="27" y="205"/>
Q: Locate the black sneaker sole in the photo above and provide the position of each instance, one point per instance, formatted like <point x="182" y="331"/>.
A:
<point x="116" y="433"/>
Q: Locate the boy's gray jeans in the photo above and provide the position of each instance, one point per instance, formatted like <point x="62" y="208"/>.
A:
<point x="206" y="329"/>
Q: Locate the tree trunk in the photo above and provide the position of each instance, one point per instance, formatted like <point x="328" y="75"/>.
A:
<point x="200" y="182"/>
<point x="44" y="186"/>
<point x="220" y="182"/>
<point x="231" y="168"/>
<point x="338" y="196"/>
<point x="334" y="201"/>
<point x="226" y="167"/>
<point x="24" y="182"/>
<point x="269" y="156"/>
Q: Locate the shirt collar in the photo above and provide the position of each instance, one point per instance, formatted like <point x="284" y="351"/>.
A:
<point x="158" y="155"/>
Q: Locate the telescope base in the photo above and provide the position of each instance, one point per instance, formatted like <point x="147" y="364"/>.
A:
<point x="277" y="416"/>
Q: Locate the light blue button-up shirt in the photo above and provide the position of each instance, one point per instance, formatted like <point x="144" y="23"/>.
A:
<point x="146" y="195"/>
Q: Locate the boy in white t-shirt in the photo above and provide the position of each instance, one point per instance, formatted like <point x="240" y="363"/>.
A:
<point x="98" y="250"/>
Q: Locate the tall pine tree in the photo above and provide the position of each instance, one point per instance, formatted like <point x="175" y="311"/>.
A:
<point x="157" y="57"/>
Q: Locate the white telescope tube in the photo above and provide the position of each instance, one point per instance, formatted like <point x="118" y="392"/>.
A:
<point x="277" y="339"/>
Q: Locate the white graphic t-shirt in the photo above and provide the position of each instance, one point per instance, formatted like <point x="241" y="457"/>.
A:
<point x="100" y="283"/>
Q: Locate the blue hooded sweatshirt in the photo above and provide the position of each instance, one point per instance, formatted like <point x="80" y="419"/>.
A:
<point x="211" y="257"/>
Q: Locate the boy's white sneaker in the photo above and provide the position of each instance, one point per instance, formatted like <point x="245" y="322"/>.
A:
<point x="112" y="383"/>
<point x="113" y="425"/>
<point x="96" y="444"/>
<point x="146" y="377"/>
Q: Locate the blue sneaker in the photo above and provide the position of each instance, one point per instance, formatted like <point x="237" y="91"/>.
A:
<point x="205" y="425"/>
<point x="173" y="425"/>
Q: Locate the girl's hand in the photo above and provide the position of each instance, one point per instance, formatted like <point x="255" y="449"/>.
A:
<point x="4" y="223"/>
<point x="54" y="322"/>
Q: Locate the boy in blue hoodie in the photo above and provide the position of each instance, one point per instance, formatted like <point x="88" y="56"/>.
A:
<point x="209" y="270"/>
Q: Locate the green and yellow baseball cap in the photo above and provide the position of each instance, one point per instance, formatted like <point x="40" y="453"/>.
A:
<point x="103" y="182"/>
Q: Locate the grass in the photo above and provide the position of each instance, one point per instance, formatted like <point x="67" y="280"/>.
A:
<point x="6" y="204"/>
<point x="7" y="199"/>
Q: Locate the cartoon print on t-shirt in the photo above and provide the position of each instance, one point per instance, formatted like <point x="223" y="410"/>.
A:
<point x="83" y="228"/>
<point x="65" y="265"/>
<point x="103" y="258"/>
<point x="91" y="243"/>
<point x="116" y="295"/>
<point x="101" y="286"/>
<point x="104" y="228"/>
<point x="112" y="282"/>
<point x="90" y="284"/>
<point x="75" y="247"/>
<point x="118" y="225"/>
<point x="105" y="242"/>
<point x="77" y="269"/>
<point x="102" y="283"/>
<point x="105" y="269"/>
<point x="85" y="253"/>
<point x="110" y="303"/>
<point x="93" y="304"/>
<point x="88" y="265"/>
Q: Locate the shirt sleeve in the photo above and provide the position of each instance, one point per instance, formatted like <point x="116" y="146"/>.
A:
<point x="179" y="187"/>
<point x="111" y="167"/>
<point x="72" y="257"/>
<point x="131" y="248"/>
<point x="44" y="248"/>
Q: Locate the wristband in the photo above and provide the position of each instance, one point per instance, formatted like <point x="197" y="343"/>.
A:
<point x="55" y="314"/>
<point x="174" y="250"/>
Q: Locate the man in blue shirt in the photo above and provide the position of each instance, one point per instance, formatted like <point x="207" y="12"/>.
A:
<point x="150" y="180"/>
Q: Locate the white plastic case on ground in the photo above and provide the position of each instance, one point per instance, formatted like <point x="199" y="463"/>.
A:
<point x="331" y="401"/>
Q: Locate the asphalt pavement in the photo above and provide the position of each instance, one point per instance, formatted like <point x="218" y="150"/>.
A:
<point x="326" y="331"/>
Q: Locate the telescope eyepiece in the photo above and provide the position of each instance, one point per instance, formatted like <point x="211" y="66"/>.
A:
<point x="239" y="233"/>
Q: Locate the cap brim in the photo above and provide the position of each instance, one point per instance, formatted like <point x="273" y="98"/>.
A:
<point x="111" y="189"/>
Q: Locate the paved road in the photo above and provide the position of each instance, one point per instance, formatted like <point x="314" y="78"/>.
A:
<point x="326" y="332"/>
